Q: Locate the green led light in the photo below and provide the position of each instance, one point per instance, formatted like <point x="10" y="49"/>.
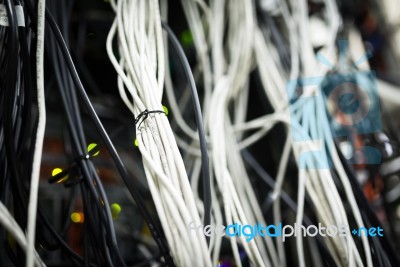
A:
<point x="165" y="110"/>
<point x="115" y="210"/>
<point x="186" y="38"/>
<point x="56" y="171"/>
<point x="91" y="146"/>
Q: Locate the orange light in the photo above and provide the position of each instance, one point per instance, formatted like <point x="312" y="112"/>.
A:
<point x="77" y="217"/>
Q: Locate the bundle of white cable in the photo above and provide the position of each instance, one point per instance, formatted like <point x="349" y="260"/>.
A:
<point x="230" y="81"/>
<point x="231" y="76"/>
<point x="137" y="29"/>
<point x="232" y="39"/>
<point x="230" y="88"/>
<point x="317" y="183"/>
<point x="332" y="211"/>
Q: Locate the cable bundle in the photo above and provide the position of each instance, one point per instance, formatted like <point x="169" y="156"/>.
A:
<point x="17" y="92"/>
<point x="137" y="28"/>
<point x="100" y="244"/>
<point x="232" y="44"/>
<point x="263" y="70"/>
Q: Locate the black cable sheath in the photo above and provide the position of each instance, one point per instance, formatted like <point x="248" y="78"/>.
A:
<point x="154" y="229"/>
<point x="385" y="245"/>
<point x="199" y="121"/>
<point x="48" y="225"/>
<point x="76" y="129"/>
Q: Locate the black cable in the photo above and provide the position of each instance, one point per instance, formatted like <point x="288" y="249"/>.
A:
<point x="384" y="245"/>
<point x="76" y="130"/>
<point x="59" y="239"/>
<point x="68" y="210"/>
<point x="20" y="196"/>
<point x="121" y="168"/>
<point x="10" y="107"/>
<point x="26" y="92"/>
<point x="85" y="245"/>
<point x="147" y="262"/>
<point x="17" y="113"/>
<point x="199" y="121"/>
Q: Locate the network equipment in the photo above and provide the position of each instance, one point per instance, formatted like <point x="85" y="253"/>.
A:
<point x="199" y="133"/>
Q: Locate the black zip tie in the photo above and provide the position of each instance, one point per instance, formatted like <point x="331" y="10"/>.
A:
<point x="92" y="152"/>
<point x="59" y="176"/>
<point x="145" y="114"/>
<point x="72" y="182"/>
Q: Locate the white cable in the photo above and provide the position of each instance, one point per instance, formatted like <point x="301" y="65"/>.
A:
<point x="37" y="157"/>
<point x="9" y="223"/>
<point x="230" y="45"/>
<point x="137" y="28"/>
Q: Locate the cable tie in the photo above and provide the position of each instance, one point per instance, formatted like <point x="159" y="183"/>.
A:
<point x="63" y="176"/>
<point x="68" y="176"/>
<point x="145" y="114"/>
<point x="93" y="151"/>
<point x="72" y="182"/>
